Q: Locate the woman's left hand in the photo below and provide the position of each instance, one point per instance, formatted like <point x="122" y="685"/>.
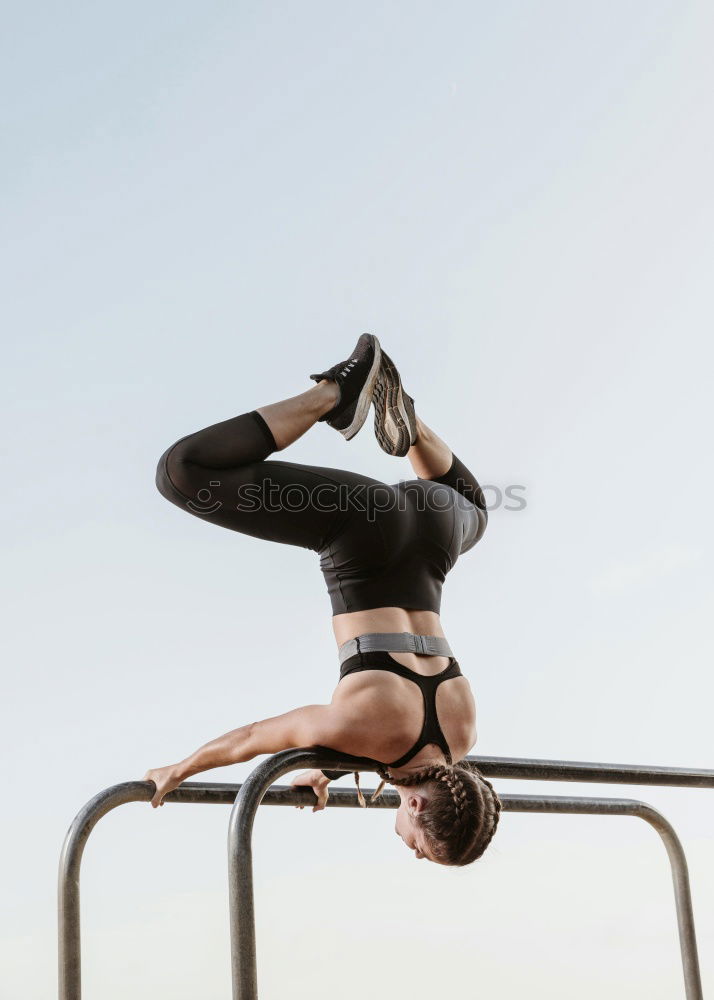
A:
<point x="316" y="780"/>
<point x="165" y="779"/>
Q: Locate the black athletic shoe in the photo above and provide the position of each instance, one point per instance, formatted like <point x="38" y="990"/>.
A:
<point x="394" y="418"/>
<point x="356" y="378"/>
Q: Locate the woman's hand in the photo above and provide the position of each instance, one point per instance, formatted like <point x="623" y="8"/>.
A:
<point x="316" y="780"/>
<point x="165" y="779"/>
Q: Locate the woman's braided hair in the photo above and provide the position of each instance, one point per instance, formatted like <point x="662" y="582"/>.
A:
<point x="463" y="811"/>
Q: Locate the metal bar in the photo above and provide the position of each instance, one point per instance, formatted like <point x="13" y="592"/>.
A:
<point x="240" y="850"/>
<point x="225" y="793"/>
<point x="240" y="861"/>
<point x="69" y="952"/>
<point x="675" y="853"/>
<point x="570" y="770"/>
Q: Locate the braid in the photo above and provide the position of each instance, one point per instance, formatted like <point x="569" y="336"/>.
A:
<point x="462" y="826"/>
<point x="458" y="794"/>
<point x="492" y="807"/>
<point x="431" y="773"/>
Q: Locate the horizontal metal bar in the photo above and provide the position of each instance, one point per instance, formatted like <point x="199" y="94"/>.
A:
<point x="534" y="769"/>
<point x="282" y="795"/>
<point x="539" y="769"/>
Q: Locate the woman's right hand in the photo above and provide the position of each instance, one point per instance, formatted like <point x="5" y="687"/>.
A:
<point x="316" y="780"/>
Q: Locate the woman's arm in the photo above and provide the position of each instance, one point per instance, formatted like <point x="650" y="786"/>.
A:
<point x="311" y="725"/>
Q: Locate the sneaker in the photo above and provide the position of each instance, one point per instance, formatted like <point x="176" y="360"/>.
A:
<point x="394" y="417"/>
<point x="356" y="378"/>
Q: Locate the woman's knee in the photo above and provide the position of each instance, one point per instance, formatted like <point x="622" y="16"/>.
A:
<point x="174" y="479"/>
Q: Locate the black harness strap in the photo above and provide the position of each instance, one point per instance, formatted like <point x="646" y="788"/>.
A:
<point x="431" y="731"/>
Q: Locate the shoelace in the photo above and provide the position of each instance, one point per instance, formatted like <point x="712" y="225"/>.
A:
<point x="348" y="367"/>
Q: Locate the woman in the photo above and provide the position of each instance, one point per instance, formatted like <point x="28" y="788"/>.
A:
<point x="384" y="552"/>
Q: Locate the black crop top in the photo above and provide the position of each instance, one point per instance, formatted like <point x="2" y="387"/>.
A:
<point x="399" y="554"/>
<point x="431" y="731"/>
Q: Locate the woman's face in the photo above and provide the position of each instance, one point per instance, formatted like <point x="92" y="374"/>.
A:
<point x="405" y="825"/>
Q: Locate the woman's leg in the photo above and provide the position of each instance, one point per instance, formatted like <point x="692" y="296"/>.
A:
<point x="291" y="418"/>
<point x="431" y="458"/>
<point x="220" y="474"/>
<point x="224" y="444"/>
<point x="429" y="455"/>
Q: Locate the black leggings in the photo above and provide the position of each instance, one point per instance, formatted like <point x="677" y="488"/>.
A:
<point x="380" y="545"/>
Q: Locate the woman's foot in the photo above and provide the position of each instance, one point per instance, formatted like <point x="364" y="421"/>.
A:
<point x="395" y="424"/>
<point x="356" y="378"/>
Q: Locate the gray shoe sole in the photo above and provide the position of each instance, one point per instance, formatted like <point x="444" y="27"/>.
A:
<point x="364" y="400"/>
<point x="394" y="418"/>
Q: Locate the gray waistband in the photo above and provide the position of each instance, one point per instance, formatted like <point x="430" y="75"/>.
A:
<point x="398" y="642"/>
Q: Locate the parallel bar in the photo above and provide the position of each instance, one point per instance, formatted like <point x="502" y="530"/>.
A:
<point x="570" y="770"/>
<point x="225" y="793"/>
<point x="240" y="862"/>
<point x="192" y="792"/>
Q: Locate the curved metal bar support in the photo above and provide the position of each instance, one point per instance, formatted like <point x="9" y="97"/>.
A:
<point x="240" y="855"/>
<point x="675" y="853"/>
<point x="240" y="860"/>
<point x="683" y="899"/>
<point x="69" y="952"/>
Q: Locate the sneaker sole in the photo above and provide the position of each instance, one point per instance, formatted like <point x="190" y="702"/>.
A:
<point x="364" y="400"/>
<point x="394" y="418"/>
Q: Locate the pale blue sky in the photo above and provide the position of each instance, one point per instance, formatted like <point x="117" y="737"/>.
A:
<point x="203" y="203"/>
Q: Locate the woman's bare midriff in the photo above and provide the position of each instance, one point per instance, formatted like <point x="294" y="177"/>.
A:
<point x="354" y="623"/>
